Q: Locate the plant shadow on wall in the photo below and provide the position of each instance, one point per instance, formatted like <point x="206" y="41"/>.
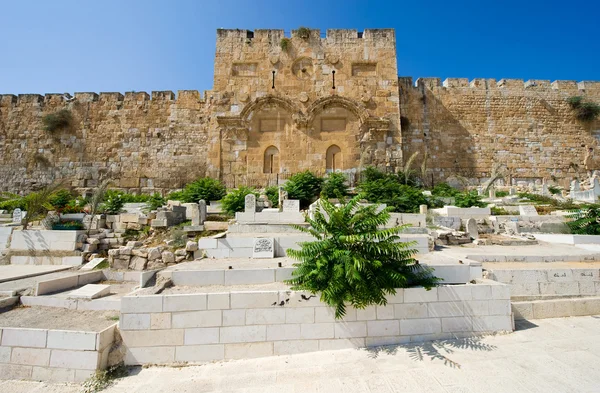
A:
<point x="446" y="140"/>
<point x="440" y="350"/>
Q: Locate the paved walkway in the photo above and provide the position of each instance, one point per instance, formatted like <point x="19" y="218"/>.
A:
<point x="546" y="356"/>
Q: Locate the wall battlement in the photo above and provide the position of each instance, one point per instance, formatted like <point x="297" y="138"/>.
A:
<point x="566" y="86"/>
<point x="330" y="34"/>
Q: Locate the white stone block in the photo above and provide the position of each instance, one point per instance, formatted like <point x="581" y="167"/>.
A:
<point x="141" y="304"/>
<point x="90" y="291"/>
<point x="396" y="298"/>
<point x="106" y="337"/>
<point x="300" y="299"/>
<point x="198" y="277"/>
<point x="185" y="302"/>
<point x="19" y="337"/>
<point x="49" y="301"/>
<point x="300" y="315"/>
<point x="134" y="321"/>
<point x="194" y="319"/>
<point x="386" y="312"/>
<point x="367" y="314"/>
<point x="234" y="317"/>
<point x="476" y="307"/>
<point x="525" y="289"/>
<point x="249" y="276"/>
<point x="332" y="345"/>
<point x="283" y="332"/>
<point x="48" y="374"/>
<point x="86" y="360"/>
<point x="30" y="356"/>
<point x="207" y="243"/>
<point x="499" y="307"/>
<point x="457" y="324"/>
<point x="152" y="338"/>
<point x="327" y="314"/>
<point x="55" y="285"/>
<point x="317" y="330"/>
<point x="5" y="354"/>
<point x="452" y="293"/>
<point x="411" y="327"/>
<point x="218" y="301"/>
<point x="248" y="350"/>
<point x="411" y="311"/>
<point x="253" y="299"/>
<point x="160" y="320"/>
<point x="445" y="309"/>
<point x="15" y="371"/>
<point x="481" y="292"/>
<point x="154" y="355"/>
<point x="492" y="323"/>
<point x="243" y="334"/>
<point x="65" y="339"/>
<point x="383" y="328"/>
<point x="284" y="273"/>
<point x="265" y="316"/>
<point x="196" y="336"/>
<point x="200" y="353"/>
<point x="350" y="329"/>
<point x="296" y="346"/>
<point x="419" y="295"/>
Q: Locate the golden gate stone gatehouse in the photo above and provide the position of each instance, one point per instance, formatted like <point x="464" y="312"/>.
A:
<point x="280" y="105"/>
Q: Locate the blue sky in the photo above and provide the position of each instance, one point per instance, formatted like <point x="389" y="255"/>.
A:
<point x="123" y="45"/>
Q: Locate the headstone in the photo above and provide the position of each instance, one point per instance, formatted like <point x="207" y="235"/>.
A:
<point x="545" y="189"/>
<point x="202" y="208"/>
<point x="264" y="247"/>
<point x="492" y="193"/>
<point x="250" y="203"/>
<point x="480" y="190"/>
<point x="512" y="191"/>
<point x="291" y="205"/>
<point x="194" y="211"/>
<point x="575" y="186"/>
<point x="423" y="209"/>
<point x="17" y="216"/>
<point x="527" y="210"/>
<point x="472" y="228"/>
<point x="283" y="195"/>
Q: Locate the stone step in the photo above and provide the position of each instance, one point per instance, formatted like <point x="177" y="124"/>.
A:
<point x="556" y="308"/>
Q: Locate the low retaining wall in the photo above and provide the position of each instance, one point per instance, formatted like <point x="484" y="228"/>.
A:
<point x="205" y="327"/>
<point x="45" y="240"/>
<point x="556" y="308"/>
<point x="53" y="355"/>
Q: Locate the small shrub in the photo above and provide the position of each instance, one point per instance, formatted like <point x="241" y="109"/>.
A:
<point x="371" y="173"/>
<point x="74" y="206"/>
<point x="113" y="203"/>
<point x="352" y="261"/>
<point x="501" y="194"/>
<point x="61" y="198"/>
<point x="303" y="32"/>
<point x="468" y="199"/>
<point x="155" y="201"/>
<point x="499" y="211"/>
<point x="284" y="44"/>
<point x="204" y="188"/>
<point x="130" y="234"/>
<point x="585" y="111"/>
<point x="103" y="379"/>
<point x="58" y="121"/>
<point x="304" y="186"/>
<point x="273" y="195"/>
<point x="554" y="190"/>
<point x="234" y="201"/>
<point x="334" y="186"/>
<point x="175" y="196"/>
<point x="444" y="190"/>
<point x="401" y="198"/>
<point x="585" y="221"/>
<point x="68" y="226"/>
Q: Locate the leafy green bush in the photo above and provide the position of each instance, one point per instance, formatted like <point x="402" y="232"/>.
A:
<point x="444" y="190"/>
<point x="61" y="198"/>
<point x="501" y="194"/>
<point x="468" y="199"/>
<point x="304" y="186"/>
<point x="585" y="111"/>
<point x="273" y="194"/>
<point x="352" y="260"/>
<point x="204" y="188"/>
<point x="234" y="201"/>
<point x="334" y="186"/>
<point x="499" y="211"/>
<point x="155" y="201"/>
<point x="402" y="198"/>
<point x="303" y="32"/>
<point x="585" y="221"/>
<point x="554" y="190"/>
<point x="371" y="173"/>
<point x="284" y="44"/>
<point x="175" y="196"/>
<point x="10" y="202"/>
<point x="113" y="203"/>
<point x="58" y="120"/>
<point x="68" y="226"/>
<point x="74" y="206"/>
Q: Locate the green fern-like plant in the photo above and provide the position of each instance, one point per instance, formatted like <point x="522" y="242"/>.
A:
<point x="284" y="44"/>
<point x="353" y="261"/>
<point x="585" y="221"/>
<point x="303" y="32"/>
<point x="585" y="111"/>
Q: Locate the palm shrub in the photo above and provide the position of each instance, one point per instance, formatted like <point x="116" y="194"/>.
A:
<point x="304" y="186"/>
<point x="585" y="221"/>
<point x="468" y="199"/>
<point x="235" y="200"/>
<point x="205" y="188"/>
<point x="334" y="186"/>
<point x="353" y="261"/>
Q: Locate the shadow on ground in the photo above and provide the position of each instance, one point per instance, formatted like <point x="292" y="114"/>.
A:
<point x="439" y="350"/>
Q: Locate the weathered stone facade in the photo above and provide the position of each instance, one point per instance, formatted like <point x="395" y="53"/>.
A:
<point x="275" y="111"/>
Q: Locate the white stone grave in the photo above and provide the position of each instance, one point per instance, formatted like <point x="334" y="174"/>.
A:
<point x="472" y="228"/>
<point x="17" y="216"/>
<point x="264" y="247"/>
<point x="90" y="291"/>
<point x="250" y="203"/>
<point x="527" y="210"/>
<point x="93" y="263"/>
<point x="291" y="205"/>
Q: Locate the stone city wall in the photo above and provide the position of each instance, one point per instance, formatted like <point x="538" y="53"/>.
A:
<point x="215" y="326"/>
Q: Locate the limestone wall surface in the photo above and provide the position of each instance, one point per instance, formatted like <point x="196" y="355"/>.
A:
<point x="205" y="327"/>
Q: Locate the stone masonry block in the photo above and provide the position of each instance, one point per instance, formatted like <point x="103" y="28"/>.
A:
<point x="248" y="350"/>
<point x="283" y="332"/>
<point x="160" y="320"/>
<point x="141" y="304"/>
<point x="445" y="309"/>
<point x="492" y="323"/>
<point x="418" y="295"/>
<point x="137" y="356"/>
<point x="299" y="315"/>
<point x="265" y="316"/>
<point x="420" y="326"/>
<point x="135" y="321"/>
<point x="15" y="371"/>
<point x="153" y="338"/>
<point x="366" y="314"/>
<point x="331" y="345"/>
<point x="16" y="337"/>
<point x="64" y="339"/>
<point x="186" y="302"/>
<point x="194" y="319"/>
<point x="476" y="307"/>
<point x="350" y="329"/>
<point x="296" y="346"/>
<point x="243" y="334"/>
<point x="234" y="317"/>
<point x="53" y="374"/>
<point x="411" y="311"/>
<point x="5" y="354"/>
<point x="200" y="353"/>
<point x="30" y="356"/>
<point x="383" y="328"/>
<point x="499" y="307"/>
<point x="386" y="312"/>
<point x="218" y="301"/>
<point x="253" y="299"/>
<point x="559" y="288"/>
<point x="85" y="360"/>
<point x="317" y="330"/>
<point x="457" y="324"/>
<point x="249" y="276"/>
<point x="481" y="292"/>
<point x="196" y="336"/>
<point x="451" y="293"/>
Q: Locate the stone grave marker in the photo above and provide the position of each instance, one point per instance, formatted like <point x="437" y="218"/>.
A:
<point x="250" y="203"/>
<point x="17" y="216"/>
<point x="264" y="247"/>
<point x="291" y="205"/>
<point x="203" y="210"/>
<point x="527" y="210"/>
<point x="492" y="193"/>
<point x="93" y="263"/>
<point x="472" y="228"/>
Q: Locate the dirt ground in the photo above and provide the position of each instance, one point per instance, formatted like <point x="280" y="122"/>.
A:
<point x="58" y="318"/>
<point x="273" y="286"/>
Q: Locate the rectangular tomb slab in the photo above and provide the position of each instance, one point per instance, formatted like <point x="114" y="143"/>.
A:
<point x="264" y="247"/>
<point x="93" y="263"/>
<point x="91" y="291"/>
<point x="527" y="210"/>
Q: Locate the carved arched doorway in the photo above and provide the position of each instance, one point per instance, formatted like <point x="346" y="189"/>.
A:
<point x="271" y="160"/>
<point x="333" y="159"/>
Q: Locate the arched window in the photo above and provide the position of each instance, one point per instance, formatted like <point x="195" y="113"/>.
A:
<point x="333" y="159"/>
<point x="271" y="162"/>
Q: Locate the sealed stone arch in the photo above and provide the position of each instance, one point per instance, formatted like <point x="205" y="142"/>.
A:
<point x="334" y="159"/>
<point x="271" y="160"/>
